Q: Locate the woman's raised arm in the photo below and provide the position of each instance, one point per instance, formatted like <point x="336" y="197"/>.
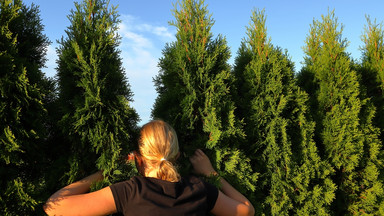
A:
<point x="230" y="201"/>
<point x="74" y="199"/>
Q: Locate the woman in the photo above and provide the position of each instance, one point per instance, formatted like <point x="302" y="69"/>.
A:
<point x="159" y="191"/>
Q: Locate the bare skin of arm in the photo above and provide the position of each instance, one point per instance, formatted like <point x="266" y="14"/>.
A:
<point x="74" y="199"/>
<point x="230" y="201"/>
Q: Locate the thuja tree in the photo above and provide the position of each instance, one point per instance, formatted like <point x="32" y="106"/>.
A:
<point x="372" y="70"/>
<point x="293" y="178"/>
<point x="94" y="94"/>
<point x="32" y="43"/>
<point x="344" y="133"/>
<point x="21" y="109"/>
<point x="193" y="87"/>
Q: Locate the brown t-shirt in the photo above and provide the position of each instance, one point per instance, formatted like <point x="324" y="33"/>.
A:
<point x="151" y="196"/>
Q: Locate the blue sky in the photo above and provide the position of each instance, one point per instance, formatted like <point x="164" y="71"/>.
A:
<point x="145" y="31"/>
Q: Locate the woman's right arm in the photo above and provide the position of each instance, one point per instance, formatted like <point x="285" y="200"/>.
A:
<point x="74" y="199"/>
<point x="230" y="201"/>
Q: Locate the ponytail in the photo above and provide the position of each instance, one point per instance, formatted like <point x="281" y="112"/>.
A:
<point x="167" y="171"/>
<point x="159" y="148"/>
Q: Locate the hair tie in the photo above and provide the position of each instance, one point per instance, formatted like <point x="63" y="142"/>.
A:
<point x="162" y="159"/>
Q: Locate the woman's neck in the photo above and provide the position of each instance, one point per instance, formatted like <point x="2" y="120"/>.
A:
<point x="151" y="173"/>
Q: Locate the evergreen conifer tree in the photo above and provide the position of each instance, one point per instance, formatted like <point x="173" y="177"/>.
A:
<point x="21" y="109"/>
<point x="32" y="43"/>
<point x="293" y="178"/>
<point x="193" y="87"/>
<point x="372" y="70"/>
<point x="93" y="92"/>
<point x="344" y="132"/>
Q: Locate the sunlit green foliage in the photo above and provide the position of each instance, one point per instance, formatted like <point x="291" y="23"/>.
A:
<point x="194" y="86"/>
<point x="344" y="132"/>
<point x="94" y="95"/>
<point x="294" y="180"/>
<point x="22" y="128"/>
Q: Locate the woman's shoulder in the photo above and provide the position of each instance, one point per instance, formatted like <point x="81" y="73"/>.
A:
<point x="192" y="179"/>
<point x="198" y="182"/>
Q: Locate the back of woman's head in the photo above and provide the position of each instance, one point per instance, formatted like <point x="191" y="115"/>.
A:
<point x="159" y="149"/>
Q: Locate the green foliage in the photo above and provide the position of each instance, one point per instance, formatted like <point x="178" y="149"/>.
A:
<point x="94" y="95"/>
<point x="373" y="50"/>
<point x="21" y="110"/>
<point x="344" y="131"/>
<point x="293" y="178"/>
<point x="193" y="87"/>
<point x="372" y="68"/>
<point x="32" y="43"/>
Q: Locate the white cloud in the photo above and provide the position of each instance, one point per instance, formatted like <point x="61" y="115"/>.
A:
<point x="133" y="39"/>
<point x="163" y="32"/>
<point x="133" y="24"/>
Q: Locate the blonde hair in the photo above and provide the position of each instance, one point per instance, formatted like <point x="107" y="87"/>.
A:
<point x="159" y="148"/>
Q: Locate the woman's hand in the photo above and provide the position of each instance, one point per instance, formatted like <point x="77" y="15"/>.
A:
<point x="201" y="164"/>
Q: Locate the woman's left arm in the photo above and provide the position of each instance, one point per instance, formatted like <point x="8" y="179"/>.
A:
<point x="74" y="199"/>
